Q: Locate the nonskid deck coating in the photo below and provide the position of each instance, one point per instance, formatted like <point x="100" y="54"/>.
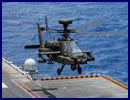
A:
<point x="96" y="87"/>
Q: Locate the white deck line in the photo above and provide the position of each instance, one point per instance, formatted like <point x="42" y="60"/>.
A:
<point x="4" y="85"/>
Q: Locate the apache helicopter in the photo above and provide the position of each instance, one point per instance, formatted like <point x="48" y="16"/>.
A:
<point x="64" y="50"/>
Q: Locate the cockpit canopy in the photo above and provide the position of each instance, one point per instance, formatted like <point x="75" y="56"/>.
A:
<point x="72" y="47"/>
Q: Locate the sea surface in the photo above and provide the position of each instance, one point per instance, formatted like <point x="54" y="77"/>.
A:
<point x="110" y="50"/>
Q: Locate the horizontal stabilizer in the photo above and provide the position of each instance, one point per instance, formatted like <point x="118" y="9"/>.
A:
<point x="31" y="46"/>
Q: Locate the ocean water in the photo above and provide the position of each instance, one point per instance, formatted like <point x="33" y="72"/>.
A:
<point x="110" y="50"/>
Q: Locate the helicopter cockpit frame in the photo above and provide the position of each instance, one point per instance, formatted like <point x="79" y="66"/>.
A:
<point x="71" y="48"/>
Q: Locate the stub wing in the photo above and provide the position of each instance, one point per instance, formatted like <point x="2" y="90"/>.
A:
<point x="50" y="52"/>
<point x="31" y="46"/>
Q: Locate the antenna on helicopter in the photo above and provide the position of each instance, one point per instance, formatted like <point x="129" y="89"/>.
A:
<point x="46" y="27"/>
<point x="46" y="21"/>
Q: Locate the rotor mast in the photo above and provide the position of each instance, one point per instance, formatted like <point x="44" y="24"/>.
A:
<point x="65" y="23"/>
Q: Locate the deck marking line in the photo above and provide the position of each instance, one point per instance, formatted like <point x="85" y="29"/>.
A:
<point x="4" y="85"/>
<point x="114" y="81"/>
<point x="22" y="88"/>
<point x="29" y="89"/>
<point x="70" y="77"/>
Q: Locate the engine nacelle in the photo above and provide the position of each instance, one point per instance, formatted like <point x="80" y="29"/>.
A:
<point x="52" y="44"/>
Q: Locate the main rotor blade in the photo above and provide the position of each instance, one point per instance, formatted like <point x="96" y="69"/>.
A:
<point x="90" y="24"/>
<point x="103" y="32"/>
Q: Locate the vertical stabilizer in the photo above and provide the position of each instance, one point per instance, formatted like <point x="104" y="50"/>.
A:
<point x="40" y="29"/>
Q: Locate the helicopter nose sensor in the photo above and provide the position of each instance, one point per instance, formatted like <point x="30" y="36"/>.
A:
<point x="65" y="21"/>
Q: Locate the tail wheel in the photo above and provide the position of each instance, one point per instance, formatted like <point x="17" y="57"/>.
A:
<point x="79" y="70"/>
<point x="73" y="67"/>
<point x="58" y="71"/>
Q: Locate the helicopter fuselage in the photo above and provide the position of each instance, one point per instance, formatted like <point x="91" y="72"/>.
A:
<point x="66" y="51"/>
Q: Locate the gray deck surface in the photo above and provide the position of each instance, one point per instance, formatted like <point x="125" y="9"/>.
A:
<point x="68" y="88"/>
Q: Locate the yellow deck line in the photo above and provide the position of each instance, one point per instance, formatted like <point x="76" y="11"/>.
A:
<point x="22" y="88"/>
<point x="114" y="81"/>
<point x="70" y="77"/>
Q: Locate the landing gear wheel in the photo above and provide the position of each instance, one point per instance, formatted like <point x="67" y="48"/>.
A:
<point x="79" y="70"/>
<point x="73" y="67"/>
<point x="58" y="71"/>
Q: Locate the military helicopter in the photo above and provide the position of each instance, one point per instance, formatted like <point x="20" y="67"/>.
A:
<point x="64" y="50"/>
